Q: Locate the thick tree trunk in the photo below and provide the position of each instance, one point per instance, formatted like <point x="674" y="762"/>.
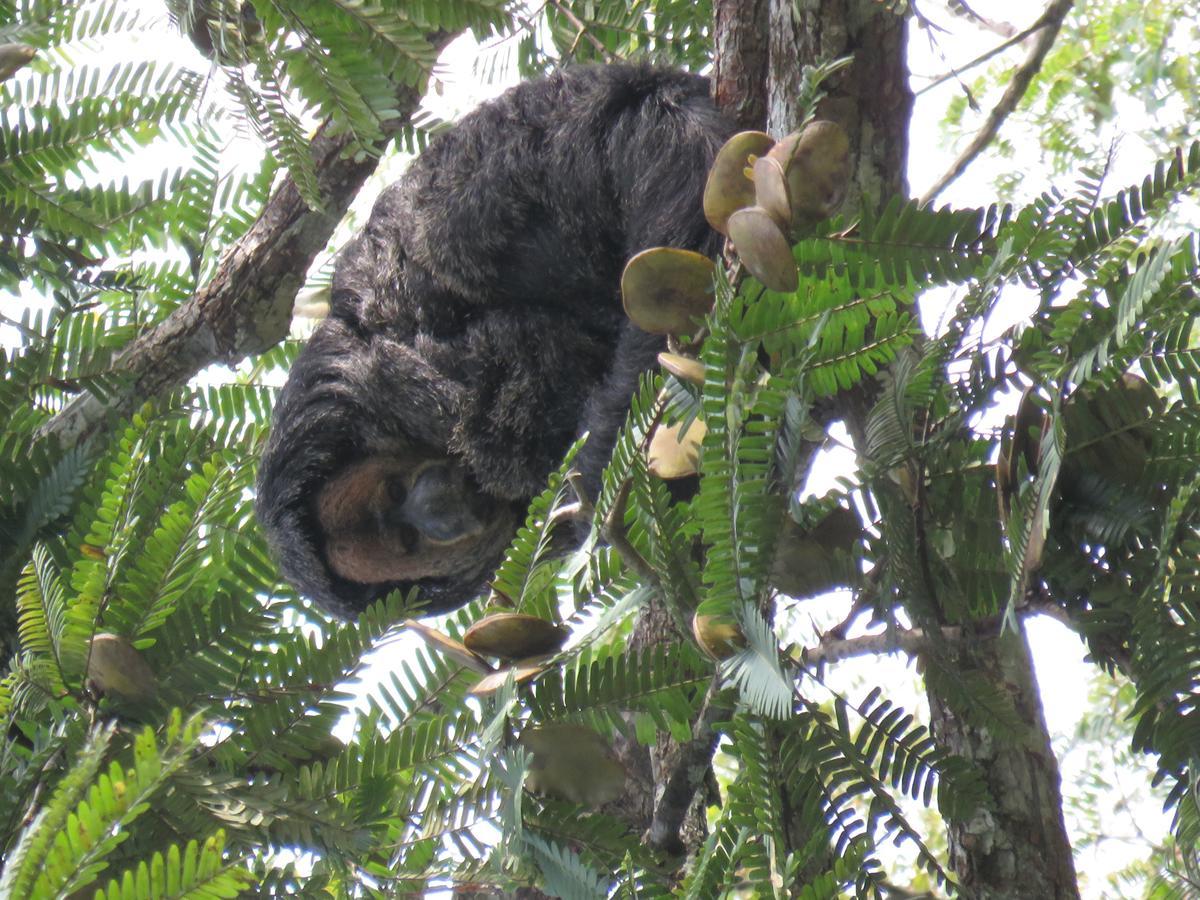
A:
<point x="740" y="58"/>
<point x="870" y="99"/>
<point x="1018" y="846"/>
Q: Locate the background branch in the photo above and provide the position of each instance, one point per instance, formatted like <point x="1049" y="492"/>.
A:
<point x="834" y="648"/>
<point x="957" y="71"/>
<point x="1048" y="25"/>
<point x="689" y="772"/>
<point x="246" y="307"/>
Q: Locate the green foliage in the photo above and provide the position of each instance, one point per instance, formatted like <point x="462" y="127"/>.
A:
<point x="350" y="64"/>
<point x="669" y="31"/>
<point x="90" y="813"/>
<point x="265" y="755"/>
<point x="1110" y="58"/>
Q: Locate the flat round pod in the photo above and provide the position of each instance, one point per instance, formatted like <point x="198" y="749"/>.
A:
<point x="728" y="188"/>
<point x="816" y="163"/>
<point x="116" y="667"/>
<point x="684" y="368"/>
<point x="673" y="454"/>
<point x="763" y="248"/>
<point x="572" y="763"/>
<point x="13" y="58"/>
<point x="718" y="636"/>
<point x="666" y="290"/>
<point x="521" y="672"/>
<point x="771" y="191"/>
<point x="447" y="646"/>
<point x="510" y="636"/>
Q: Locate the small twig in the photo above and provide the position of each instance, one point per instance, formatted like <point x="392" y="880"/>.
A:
<point x="614" y="533"/>
<point x="1049" y="25"/>
<point x="609" y="57"/>
<point x="863" y="601"/>
<point x="688" y="773"/>
<point x="911" y="641"/>
<point x="575" y="480"/>
<point x="498" y="597"/>
<point x="581" y="510"/>
<point x="25" y="330"/>
<point x="1004" y="29"/>
<point x="569" y="512"/>
<point x="982" y="58"/>
<point x="915" y="640"/>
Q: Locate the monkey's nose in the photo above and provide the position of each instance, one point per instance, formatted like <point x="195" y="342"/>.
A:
<point x="439" y="505"/>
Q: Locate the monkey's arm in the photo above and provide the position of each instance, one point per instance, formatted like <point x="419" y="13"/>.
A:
<point x="528" y="373"/>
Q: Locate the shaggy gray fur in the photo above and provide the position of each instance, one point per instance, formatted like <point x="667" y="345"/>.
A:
<point x="478" y="314"/>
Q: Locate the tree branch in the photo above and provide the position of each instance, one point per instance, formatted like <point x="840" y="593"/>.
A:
<point x="1004" y="29"/>
<point x="911" y="641"/>
<point x="835" y="648"/>
<point x="691" y="766"/>
<point x="1048" y="26"/>
<point x="690" y="769"/>
<point x="246" y="307"/>
<point x="982" y="57"/>
<point x="582" y="29"/>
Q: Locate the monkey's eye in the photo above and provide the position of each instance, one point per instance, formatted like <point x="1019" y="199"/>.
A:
<point x="397" y="492"/>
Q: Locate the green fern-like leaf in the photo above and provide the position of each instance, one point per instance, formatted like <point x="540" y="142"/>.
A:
<point x="197" y="870"/>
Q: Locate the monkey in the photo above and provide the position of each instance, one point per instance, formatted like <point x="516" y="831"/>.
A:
<point x="475" y="331"/>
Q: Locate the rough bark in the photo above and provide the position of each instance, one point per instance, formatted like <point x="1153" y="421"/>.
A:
<point x="664" y="799"/>
<point x="246" y="307"/>
<point x="740" y="56"/>
<point x="642" y="765"/>
<point x="1018" y="847"/>
<point x="870" y="99"/>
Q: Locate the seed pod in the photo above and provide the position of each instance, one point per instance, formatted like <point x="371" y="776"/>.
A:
<point x="13" y="58"/>
<point x="816" y="164"/>
<point x="512" y="636"/>
<point x="492" y="682"/>
<point x="728" y="188"/>
<point x="763" y="249"/>
<point x="683" y="367"/>
<point x="447" y="646"/>
<point x="674" y="455"/>
<point x="718" y="636"/>
<point x="572" y="763"/>
<point x="667" y="291"/>
<point x="771" y="191"/>
<point x="116" y="667"/>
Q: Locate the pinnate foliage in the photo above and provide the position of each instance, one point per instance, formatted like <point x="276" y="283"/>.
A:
<point x="258" y="761"/>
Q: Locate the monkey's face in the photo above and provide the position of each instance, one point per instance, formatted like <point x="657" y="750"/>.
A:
<point x="392" y="519"/>
<point x="359" y="492"/>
